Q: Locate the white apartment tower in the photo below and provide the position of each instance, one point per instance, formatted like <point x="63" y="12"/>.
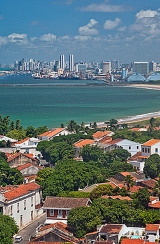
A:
<point x="71" y="63"/>
<point x="106" y="67"/>
<point x="62" y="63"/>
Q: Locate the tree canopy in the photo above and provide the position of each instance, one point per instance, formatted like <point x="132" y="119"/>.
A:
<point x="152" y="166"/>
<point x="8" y="229"/>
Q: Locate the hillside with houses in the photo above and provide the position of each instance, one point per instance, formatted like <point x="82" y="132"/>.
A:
<point x="94" y="184"/>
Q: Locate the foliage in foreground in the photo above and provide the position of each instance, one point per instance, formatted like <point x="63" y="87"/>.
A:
<point x="8" y="229"/>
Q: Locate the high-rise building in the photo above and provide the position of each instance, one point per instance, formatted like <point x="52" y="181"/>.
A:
<point x="106" y="67"/>
<point x="141" y="67"/>
<point x="71" y="63"/>
<point x="152" y="66"/>
<point x="114" y="64"/>
<point x="62" y="63"/>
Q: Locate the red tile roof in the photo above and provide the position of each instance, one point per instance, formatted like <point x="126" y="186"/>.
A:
<point x="51" y="133"/>
<point x="118" y="197"/>
<point x="132" y="241"/>
<point x="24" y="166"/>
<point x="111" y="228"/>
<point x="113" y="142"/>
<point x="12" y="156"/>
<point x="152" y="227"/>
<point x="149" y="183"/>
<point x="21" y="190"/>
<point x="150" y="142"/>
<point x="65" y="202"/>
<point x="82" y="143"/>
<point x="154" y="205"/>
<point x="100" y="134"/>
<point x="21" y="141"/>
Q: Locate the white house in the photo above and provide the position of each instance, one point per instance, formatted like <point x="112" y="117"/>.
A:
<point x="27" y="145"/>
<point x="49" y="135"/>
<point x="22" y="202"/>
<point x="131" y="146"/>
<point x="152" y="232"/>
<point x="151" y="147"/>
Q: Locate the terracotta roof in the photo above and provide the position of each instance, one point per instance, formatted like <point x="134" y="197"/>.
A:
<point x="135" y="129"/>
<point x="151" y="198"/>
<point x="21" y="190"/>
<point x="134" y="189"/>
<point x="105" y="139"/>
<point x="51" y="133"/>
<point x="111" y="228"/>
<point x="104" y="242"/>
<point x="100" y="134"/>
<point x="118" y="197"/>
<point x="24" y="166"/>
<point x="22" y="141"/>
<point x="149" y="183"/>
<point x="150" y="142"/>
<point x="30" y="156"/>
<point x="12" y="156"/>
<point x="132" y="241"/>
<point x="115" y="141"/>
<point x="65" y="202"/>
<point x="82" y="143"/>
<point x="135" y="156"/>
<point x="43" y="242"/>
<point x="154" y="205"/>
<point x="152" y="227"/>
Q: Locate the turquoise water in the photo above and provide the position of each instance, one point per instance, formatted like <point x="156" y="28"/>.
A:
<point x="50" y="102"/>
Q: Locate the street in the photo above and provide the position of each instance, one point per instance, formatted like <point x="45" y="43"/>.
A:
<point x="30" y="229"/>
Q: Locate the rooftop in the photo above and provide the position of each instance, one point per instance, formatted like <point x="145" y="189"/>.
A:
<point x="151" y="142"/>
<point x="82" y="143"/>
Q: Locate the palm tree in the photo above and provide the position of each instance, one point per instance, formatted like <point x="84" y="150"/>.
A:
<point x="128" y="181"/>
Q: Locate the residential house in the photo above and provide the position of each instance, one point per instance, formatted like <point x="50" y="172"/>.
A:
<point x="112" y="232"/>
<point x="6" y="138"/>
<point x="99" y="135"/>
<point x="152" y="232"/>
<point x="57" y="208"/>
<point x="138" y="161"/>
<point x="80" y="144"/>
<point x="151" y="147"/>
<point x="49" y="135"/>
<point x="148" y="183"/>
<point x="133" y="241"/>
<point x="154" y="203"/>
<point x="54" y="233"/>
<point x="16" y="159"/>
<point x="28" y="170"/>
<point x="22" y="202"/>
<point x="131" y="146"/>
<point x="27" y="145"/>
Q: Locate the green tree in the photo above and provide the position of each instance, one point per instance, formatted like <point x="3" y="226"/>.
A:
<point x="72" y="126"/>
<point x="83" y="220"/>
<point x="101" y="190"/>
<point x="30" y="131"/>
<point x="152" y="166"/>
<point x="17" y="134"/>
<point x="8" y="229"/>
<point x="141" y="198"/>
<point x="128" y="181"/>
<point x="91" y="153"/>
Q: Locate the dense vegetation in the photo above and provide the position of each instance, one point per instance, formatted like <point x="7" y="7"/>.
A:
<point x="131" y="213"/>
<point x="8" y="229"/>
<point x="9" y="176"/>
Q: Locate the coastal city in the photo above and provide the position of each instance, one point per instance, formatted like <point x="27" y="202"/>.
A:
<point x="109" y="71"/>
<point x="80" y="122"/>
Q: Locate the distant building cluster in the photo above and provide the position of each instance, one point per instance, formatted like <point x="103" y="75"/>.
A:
<point x="111" y="70"/>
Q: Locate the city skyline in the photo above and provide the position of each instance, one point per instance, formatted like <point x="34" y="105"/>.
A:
<point x="90" y="30"/>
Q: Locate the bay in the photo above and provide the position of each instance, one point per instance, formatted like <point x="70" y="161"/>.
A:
<point x="52" y="102"/>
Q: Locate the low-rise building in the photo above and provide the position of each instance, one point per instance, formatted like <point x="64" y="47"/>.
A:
<point x="49" y="135"/>
<point x="22" y="202"/>
<point x="57" y="208"/>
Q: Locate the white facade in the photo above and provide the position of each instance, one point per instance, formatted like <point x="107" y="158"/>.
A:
<point x="28" y="146"/>
<point x="22" y="208"/>
<point x="130" y="146"/>
<point x="106" y="67"/>
<point x="71" y="63"/>
<point x="138" y="165"/>
<point x="151" y="147"/>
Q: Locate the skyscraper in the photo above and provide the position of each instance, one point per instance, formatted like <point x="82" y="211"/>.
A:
<point x="106" y="67"/>
<point x="141" y="67"/>
<point x="71" y="63"/>
<point x="62" y="63"/>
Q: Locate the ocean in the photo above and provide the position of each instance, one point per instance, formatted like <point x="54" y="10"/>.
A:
<point x="53" y="102"/>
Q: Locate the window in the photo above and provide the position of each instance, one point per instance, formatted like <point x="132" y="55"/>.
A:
<point x="11" y="209"/>
<point x="137" y="147"/>
<point x="145" y="150"/>
<point x="156" y="150"/>
<point x="59" y="212"/>
<point x="148" y="150"/>
<point x="18" y="207"/>
<point x="67" y="212"/>
<point x="129" y="147"/>
<point x="31" y="201"/>
<point x="51" y="212"/>
<point x="24" y="204"/>
<point x="142" y="149"/>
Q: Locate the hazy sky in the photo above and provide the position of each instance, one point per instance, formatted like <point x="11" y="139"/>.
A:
<point x="91" y="30"/>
